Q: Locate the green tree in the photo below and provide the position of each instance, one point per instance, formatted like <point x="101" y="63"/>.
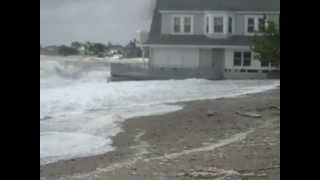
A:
<point x="267" y="45"/>
<point x="99" y="48"/>
<point x="76" y="44"/>
<point x="66" y="51"/>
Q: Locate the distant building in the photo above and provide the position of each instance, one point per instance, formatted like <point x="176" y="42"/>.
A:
<point x="132" y="50"/>
<point x="82" y="50"/>
<point x="114" y="49"/>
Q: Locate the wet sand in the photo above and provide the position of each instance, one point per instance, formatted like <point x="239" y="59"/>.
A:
<point x="208" y="139"/>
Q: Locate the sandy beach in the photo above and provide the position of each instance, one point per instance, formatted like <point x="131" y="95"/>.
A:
<point x="228" y="138"/>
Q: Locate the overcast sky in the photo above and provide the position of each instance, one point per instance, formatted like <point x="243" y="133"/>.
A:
<point x="117" y="21"/>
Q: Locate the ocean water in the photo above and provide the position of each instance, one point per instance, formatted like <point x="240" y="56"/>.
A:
<point x="80" y="111"/>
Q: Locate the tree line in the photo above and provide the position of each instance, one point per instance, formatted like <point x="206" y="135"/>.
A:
<point x="92" y="48"/>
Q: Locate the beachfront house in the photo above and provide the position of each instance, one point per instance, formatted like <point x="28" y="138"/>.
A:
<point x="207" y="39"/>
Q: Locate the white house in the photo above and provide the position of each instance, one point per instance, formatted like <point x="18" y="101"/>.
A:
<point x="208" y="38"/>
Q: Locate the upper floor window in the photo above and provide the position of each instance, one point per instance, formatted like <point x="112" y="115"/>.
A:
<point x="250" y="26"/>
<point x="261" y="24"/>
<point x="182" y="24"/>
<point x="230" y="25"/>
<point x="177" y="23"/>
<point x="218" y="24"/>
<point x="255" y="24"/>
<point x="207" y="24"/>
<point x="187" y="24"/>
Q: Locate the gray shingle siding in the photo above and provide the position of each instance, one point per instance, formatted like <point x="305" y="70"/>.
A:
<point x="239" y="24"/>
<point x="199" y="40"/>
<point x="161" y="24"/>
<point x="165" y="23"/>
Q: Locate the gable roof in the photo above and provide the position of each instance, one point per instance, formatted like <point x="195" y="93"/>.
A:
<point x="233" y="5"/>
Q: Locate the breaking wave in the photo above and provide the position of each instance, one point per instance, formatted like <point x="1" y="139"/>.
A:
<point x="82" y="69"/>
<point x="79" y="112"/>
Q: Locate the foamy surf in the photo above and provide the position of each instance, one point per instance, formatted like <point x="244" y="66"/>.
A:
<point x="80" y="112"/>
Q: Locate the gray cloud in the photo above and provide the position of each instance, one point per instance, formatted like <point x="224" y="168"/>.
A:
<point x="62" y="21"/>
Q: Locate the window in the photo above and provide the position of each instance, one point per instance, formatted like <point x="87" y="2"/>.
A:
<point x="177" y="23"/>
<point x="250" y="25"/>
<point x="182" y="24"/>
<point x="261" y="24"/>
<point x="273" y="64"/>
<point x="218" y="24"/>
<point x="242" y="59"/>
<point x="255" y="23"/>
<point x="247" y="59"/>
<point x="207" y="24"/>
<point x="237" y="59"/>
<point x="265" y="63"/>
<point x="252" y="71"/>
<point x="230" y="25"/>
<point x="187" y="24"/>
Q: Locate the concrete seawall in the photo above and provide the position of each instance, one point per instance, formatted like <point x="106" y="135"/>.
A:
<point x="142" y="71"/>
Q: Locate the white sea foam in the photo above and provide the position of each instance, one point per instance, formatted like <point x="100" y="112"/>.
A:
<point x="79" y="111"/>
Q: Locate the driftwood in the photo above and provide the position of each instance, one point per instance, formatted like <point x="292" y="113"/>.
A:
<point x="249" y="114"/>
<point x="211" y="113"/>
<point x="275" y="107"/>
<point x="257" y="170"/>
<point x="210" y="172"/>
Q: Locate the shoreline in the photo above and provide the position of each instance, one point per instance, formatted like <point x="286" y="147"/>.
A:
<point x="156" y="136"/>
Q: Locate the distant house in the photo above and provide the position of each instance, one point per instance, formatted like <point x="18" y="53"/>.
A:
<point x="207" y="38"/>
<point x="132" y="50"/>
<point x="114" y="49"/>
<point x="82" y="50"/>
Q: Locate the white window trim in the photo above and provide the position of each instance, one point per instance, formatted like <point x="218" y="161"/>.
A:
<point x="205" y="24"/>
<point x="211" y="23"/>
<point x="256" y="23"/>
<point x="223" y="24"/>
<point x="233" y="24"/>
<point x="241" y="62"/>
<point x="182" y="24"/>
<point x="242" y="59"/>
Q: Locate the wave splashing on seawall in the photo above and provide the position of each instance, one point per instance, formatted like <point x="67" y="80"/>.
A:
<point x="84" y="110"/>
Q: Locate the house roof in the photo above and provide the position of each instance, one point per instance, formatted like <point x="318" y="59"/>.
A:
<point x="234" y="5"/>
<point x="155" y="36"/>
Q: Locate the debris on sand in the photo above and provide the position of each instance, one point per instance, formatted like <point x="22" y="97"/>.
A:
<point x="211" y="172"/>
<point x="45" y="118"/>
<point x="211" y="113"/>
<point x="249" y="114"/>
<point x="254" y="174"/>
<point x="275" y="107"/>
